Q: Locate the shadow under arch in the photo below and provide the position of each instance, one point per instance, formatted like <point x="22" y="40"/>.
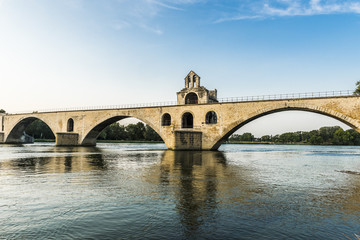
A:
<point x="233" y="127"/>
<point x="18" y="130"/>
<point x="93" y="134"/>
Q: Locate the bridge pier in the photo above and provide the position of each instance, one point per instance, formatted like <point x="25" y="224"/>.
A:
<point x="2" y="137"/>
<point x="188" y="140"/>
<point x="67" y="139"/>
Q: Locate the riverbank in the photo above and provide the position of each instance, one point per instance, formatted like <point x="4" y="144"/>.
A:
<point x="227" y="142"/>
<point x="288" y="143"/>
<point x="107" y="141"/>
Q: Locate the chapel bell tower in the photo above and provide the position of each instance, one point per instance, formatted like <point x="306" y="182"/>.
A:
<point x="193" y="93"/>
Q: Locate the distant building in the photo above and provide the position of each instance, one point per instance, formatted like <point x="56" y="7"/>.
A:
<point x="193" y="93"/>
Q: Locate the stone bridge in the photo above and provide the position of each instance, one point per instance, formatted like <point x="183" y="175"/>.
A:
<point x="198" y="121"/>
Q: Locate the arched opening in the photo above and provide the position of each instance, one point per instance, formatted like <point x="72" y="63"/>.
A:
<point x="195" y="81"/>
<point x="70" y="125"/>
<point x="166" y="120"/>
<point x="29" y="129"/>
<point x="121" y="128"/>
<point x="211" y="118"/>
<point x="332" y="121"/>
<point x="187" y="120"/>
<point x="191" y="98"/>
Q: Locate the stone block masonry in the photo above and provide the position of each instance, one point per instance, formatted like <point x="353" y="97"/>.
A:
<point x="188" y="140"/>
<point x="67" y="139"/>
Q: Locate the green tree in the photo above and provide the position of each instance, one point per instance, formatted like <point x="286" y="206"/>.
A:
<point x="136" y="131"/>
<point x="276" y="138"/>
<point x="327" y="133"/>
<point x="39" y="130"/>
<point x="342" y="137"/>
<point x="266" y="138"/>
<point x="235" y="137"/>
<point x="151" y="135"/>
<point x="357" y="90"/>
<point x="114" y="131"/>
<point x="355" y="136"/>
<point x="247" y="137"/>
<point x="316" y="140"/>
<point x="2" y="111"/>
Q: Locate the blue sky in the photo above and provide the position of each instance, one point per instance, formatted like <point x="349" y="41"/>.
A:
<point x="87" y="53"/>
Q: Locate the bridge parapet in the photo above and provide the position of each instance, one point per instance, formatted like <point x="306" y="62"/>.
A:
<point x="308" y="95"/>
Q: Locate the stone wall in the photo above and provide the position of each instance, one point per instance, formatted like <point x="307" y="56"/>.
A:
<point x="67" y="139"/>
<point x="2" y="122"/>
<point x="188" y="140"/>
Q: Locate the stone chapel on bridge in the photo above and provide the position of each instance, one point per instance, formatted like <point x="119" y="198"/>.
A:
<point x="193" y="93"/>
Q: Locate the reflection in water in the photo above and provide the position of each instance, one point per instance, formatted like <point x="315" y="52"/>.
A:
<point x="144" y="192"/>
<point x="196" y="174"/>
<point x="201" y="180"/>
<point x="59" y="160"/>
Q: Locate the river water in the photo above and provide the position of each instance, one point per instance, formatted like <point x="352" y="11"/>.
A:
<point x="142" y="191"/>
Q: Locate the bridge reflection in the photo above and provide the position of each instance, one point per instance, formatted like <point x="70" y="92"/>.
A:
<point x="199" y="181"/>
<point x="203" y="184"/>
<point x="198" y="188"/>
<point x="56" y="160"/>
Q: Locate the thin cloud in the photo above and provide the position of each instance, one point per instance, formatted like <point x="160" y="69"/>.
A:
<point x="120" y="25"/>
<point x="155" y="30"/>
<point x="238" y="18"/>
<point x="162" y="4"/>
<point x="141" y="13"/>
<point x="290" y="8"/>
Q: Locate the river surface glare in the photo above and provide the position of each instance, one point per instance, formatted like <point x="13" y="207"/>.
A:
<point x="142" y="191"/>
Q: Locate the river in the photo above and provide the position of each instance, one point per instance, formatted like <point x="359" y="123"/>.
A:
<point x="143" y="191"/>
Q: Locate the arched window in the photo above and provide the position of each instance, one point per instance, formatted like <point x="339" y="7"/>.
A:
<point x="191" y="98"/>
<point x="188" y="82"/>
<point x="211" y="118"/>
<point x="70" y="125"/>
<point x="187" y="120"/>
<point x="194" y="80"/>
<point x="166" y="120"/>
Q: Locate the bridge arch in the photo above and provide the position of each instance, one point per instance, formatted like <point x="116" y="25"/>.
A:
<point x="94" y="130"/>
<point x="17" y="131"/>
<point x="234" y="126"/>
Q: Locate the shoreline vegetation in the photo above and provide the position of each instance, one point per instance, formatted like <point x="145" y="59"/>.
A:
<point x="226" y="142"/>
<point x="323" y="136"/>
<point x="141" y="133"/>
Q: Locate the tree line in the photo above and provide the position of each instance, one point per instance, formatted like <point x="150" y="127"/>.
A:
<point x="141" y="132"/>
<point x="138" y="132"/>
<point x="323" y="136"/>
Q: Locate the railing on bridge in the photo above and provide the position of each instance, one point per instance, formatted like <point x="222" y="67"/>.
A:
<point x="288" y="96"/>
<point x="221" y="100"/>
